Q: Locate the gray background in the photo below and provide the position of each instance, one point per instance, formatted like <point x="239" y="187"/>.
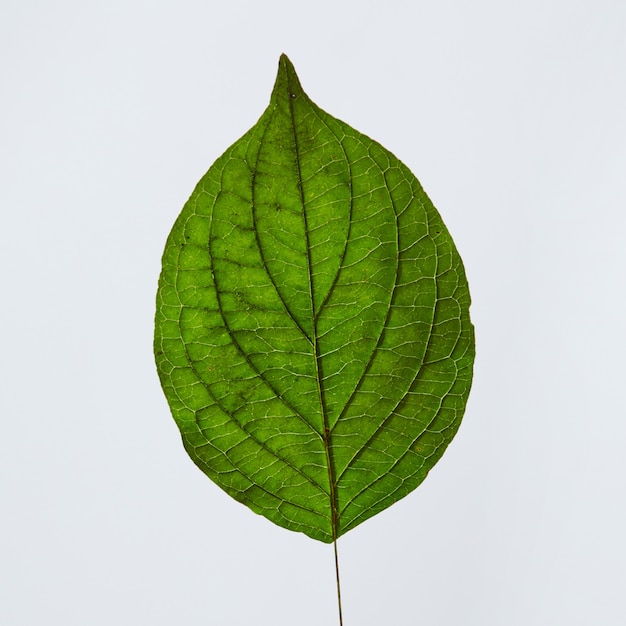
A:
<point x="512" y="116"/>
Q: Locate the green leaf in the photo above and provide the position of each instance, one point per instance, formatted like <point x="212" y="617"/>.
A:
<point x="312" y="334"/>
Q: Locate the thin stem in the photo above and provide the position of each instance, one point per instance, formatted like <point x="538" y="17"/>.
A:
<point x="338" y="584"/>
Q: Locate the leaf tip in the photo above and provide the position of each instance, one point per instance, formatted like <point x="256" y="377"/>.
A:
<point x="287" y="81"/>
<point x="284" y="61"/>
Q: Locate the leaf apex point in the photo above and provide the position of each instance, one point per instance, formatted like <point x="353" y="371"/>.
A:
<point x="284" y="63"/>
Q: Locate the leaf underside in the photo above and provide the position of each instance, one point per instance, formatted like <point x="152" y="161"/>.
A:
<point x="312" y="333"/>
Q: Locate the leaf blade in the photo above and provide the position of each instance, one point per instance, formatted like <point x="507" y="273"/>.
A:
<point x="312" y="332"/>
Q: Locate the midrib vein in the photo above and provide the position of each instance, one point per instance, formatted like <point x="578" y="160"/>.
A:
<point x="316" y="352"/>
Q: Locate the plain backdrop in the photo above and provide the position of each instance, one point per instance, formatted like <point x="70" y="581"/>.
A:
<point x="511" y="114"/>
